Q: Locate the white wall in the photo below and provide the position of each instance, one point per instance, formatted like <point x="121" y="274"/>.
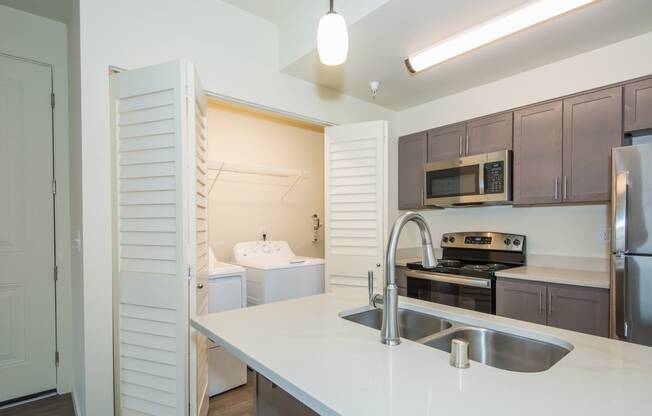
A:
<point x="241" y="205"/>
<point x="77" y="281"/>
<point x="28" y="36"/>
<point x="567" y="231"/>
<point x="236" y="55"/>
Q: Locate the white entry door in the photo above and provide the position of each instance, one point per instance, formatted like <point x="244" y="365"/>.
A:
<point x="27" y="319"/>
<point x="356" y="204"/>
<point x="159" y="128"/>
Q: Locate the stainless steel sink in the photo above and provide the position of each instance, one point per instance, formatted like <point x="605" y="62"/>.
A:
<point x="413" y="325"/>
<point x="501" y="350"/>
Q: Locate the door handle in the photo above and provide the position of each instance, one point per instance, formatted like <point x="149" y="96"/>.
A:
<point x="540" y="302"/>
<point x="620" y="213"/>
<point x="200" y="285"/>
<point x="619" y="296"/>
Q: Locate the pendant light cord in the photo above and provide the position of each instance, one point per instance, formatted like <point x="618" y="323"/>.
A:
<point x="332" y="10"/>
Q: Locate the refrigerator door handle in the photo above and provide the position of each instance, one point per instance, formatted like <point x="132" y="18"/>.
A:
<point x="619" y="297"/>
<point x="620" y="213"/>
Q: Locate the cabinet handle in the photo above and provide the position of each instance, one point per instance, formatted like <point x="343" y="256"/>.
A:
<point x="549" y="302"/>
<point x="540" y="302"/>
<point x="200" y="285"/>
<point x="467" y="144"/>
<point x="556" y="188"/>
<point x="460" y="145"/>
<point x="565" y="187"/>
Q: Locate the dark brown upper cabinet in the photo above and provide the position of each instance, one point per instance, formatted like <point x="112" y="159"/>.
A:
<point x="538" y="154"/>
<point x="446" y="142"/>
<point x="489" y="134"/>
<point x="592" y="127"/>
<point x="638" y="105"/>
<point x="412" y="151"/>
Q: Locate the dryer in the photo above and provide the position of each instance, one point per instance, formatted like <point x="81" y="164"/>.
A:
<point x="275" y="273"/>
<point x="226" y="290"/>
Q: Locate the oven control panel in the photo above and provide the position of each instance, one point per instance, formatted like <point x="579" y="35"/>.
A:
<point x="485" y="240"/>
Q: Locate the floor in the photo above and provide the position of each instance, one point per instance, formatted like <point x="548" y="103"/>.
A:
<point x="51" y="406"/>
<point x="236" y="402"/>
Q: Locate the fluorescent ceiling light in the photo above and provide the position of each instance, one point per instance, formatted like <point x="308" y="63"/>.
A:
<point x="494" y="29"/>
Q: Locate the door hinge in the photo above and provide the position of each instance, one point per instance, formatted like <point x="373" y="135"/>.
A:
<point x="56" y="358"/>
<point x="52" y="100"/>
<point x="54" y="187"/>
<point x="56" y="273"/>
<point x="189" y="272"/>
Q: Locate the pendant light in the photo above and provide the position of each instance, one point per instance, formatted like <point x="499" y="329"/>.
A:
<point x="332" y="38"/>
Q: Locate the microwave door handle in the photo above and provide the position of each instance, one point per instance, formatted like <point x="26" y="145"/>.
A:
<point x="481" y="179"/>
<point x="620" y="213"/>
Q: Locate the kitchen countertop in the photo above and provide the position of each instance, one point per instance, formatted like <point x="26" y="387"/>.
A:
<point x="562" y="276"/>
<point x="337" y="367"/>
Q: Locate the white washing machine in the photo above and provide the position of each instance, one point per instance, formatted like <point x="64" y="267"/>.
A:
<point x="275" y="273"/>
<point x="226" y="290"/>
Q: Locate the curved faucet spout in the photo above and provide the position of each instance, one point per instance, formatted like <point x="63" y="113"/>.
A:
<point x="390" y="333"/>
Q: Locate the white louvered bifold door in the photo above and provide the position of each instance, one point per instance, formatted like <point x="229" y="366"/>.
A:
<point x="197" y="238"/>
<point x="155" y="227"/>
<point x="356" y="203"/>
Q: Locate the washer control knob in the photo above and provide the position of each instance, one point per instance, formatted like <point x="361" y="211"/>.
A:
<point x="445" y="239"/>
<point x="517" y="242"/>
<point x="507" y="241"/>
<point x="451" y="239"/>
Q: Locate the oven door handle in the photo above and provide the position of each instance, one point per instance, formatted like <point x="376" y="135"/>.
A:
<point x="462" y="281"/>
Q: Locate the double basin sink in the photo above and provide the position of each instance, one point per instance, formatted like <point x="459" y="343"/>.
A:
<point x="487" y="346"/>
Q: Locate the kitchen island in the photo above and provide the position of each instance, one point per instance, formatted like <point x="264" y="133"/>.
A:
<point x="338" y="367"/>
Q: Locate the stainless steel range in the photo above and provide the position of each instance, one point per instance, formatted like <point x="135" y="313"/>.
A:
<point x="466" y="274"/>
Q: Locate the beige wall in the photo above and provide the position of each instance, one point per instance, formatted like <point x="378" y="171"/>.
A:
<point x="242" y="205"/>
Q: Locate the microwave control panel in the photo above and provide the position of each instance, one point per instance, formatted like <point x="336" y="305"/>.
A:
<point x="494" y="177"/>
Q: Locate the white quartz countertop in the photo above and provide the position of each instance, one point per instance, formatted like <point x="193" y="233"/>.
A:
<point x="338" y="367"/>
<point x="562" y="276"/>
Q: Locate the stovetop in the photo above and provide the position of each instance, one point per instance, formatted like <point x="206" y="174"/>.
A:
<point x="487" y="270"/>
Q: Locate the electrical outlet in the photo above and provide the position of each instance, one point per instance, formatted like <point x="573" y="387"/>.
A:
<point x="604" y="235"/>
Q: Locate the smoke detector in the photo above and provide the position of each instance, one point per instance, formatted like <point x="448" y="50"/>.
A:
<point x="374" y="86"/>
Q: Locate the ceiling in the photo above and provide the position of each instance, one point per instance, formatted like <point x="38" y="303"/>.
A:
<point x="51" y="9"/>
<point x="381" y="39"/>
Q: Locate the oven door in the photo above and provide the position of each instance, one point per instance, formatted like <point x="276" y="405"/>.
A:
<point x="479" y="179"/>
<point x="472" y="293"/>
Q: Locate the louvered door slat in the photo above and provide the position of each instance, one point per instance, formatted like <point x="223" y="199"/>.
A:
<point x="356" y="186"/>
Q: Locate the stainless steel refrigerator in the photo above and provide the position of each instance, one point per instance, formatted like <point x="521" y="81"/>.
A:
<point x="631" y="246"/>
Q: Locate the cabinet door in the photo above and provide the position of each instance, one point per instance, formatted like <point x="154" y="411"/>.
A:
<point x="579" y="309"/>
<point x="446" y="142"/>
<point x="412" y="152"/>
<point x="522" y="300"/>
<point x="271" y="400"/>
<point x="538" y="154"/>
<point x="489" y="134"/>
<point x="592" y="127"/>
<point x="638" y="105"/>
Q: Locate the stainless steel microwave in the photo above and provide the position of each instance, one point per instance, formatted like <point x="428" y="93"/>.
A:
<point x="484" y="179"/>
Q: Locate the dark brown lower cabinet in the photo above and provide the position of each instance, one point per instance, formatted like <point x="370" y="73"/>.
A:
<point x="521" y="300"/>
<point x="581" y="309"/>
<point x="271" y="400"/>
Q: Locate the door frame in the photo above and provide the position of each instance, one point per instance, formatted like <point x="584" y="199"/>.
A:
<point x="58" y="318"/>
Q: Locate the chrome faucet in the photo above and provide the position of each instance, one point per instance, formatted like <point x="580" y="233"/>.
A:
<point x="389" y="333"/>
